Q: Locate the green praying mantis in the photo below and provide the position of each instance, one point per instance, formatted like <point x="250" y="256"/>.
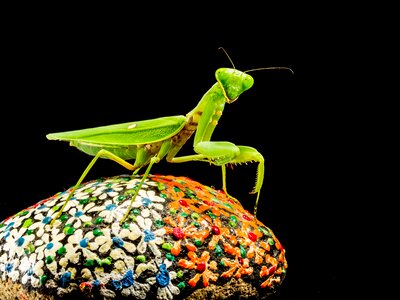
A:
<point x="149" y="141"/>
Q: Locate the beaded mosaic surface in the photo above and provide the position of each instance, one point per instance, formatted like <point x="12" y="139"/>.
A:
<point x="180" y="236"/>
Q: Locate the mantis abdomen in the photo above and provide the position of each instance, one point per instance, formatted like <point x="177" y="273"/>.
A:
<point x="127" y="152"/>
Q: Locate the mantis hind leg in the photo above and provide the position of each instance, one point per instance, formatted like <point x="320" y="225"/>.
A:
<point x="101" y="153"/>
<point x="165" y="147"/>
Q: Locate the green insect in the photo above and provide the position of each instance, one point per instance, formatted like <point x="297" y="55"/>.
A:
<point x="149" y="141"/>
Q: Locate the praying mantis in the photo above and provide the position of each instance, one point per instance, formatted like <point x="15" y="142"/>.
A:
<point x="149" y="141"/>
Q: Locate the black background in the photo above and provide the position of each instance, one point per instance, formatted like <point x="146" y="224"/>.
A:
<point x="73" y="70"/>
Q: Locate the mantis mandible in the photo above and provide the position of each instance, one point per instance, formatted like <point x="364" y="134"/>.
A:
<point x="149" y="141"/>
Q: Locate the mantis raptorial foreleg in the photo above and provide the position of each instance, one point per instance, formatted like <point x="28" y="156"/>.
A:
<point x="222" y="153"/>
<point x="250" y="154"/>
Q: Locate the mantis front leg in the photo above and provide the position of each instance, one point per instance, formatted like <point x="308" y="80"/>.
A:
<point x="222" y="153"/>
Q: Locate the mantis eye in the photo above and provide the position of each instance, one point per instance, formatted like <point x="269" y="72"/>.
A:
<point x="248" y="82"/>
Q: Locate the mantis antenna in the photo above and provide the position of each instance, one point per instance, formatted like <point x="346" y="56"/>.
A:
<point x="221" y="48"/>
<point x="258" y="69"/>
<point x="270" y="68"/>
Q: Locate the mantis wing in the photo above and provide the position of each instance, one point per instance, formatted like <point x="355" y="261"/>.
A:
<point x="131" y="133"/>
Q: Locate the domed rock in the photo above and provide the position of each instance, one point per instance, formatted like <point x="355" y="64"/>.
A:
<point x="182" y="240"/>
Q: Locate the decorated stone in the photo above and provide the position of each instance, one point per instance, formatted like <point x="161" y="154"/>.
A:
<point x="182" y="240"/>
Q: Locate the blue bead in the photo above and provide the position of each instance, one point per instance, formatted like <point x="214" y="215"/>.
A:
<point x="46" y="220"/>
<point x="20" y="241"/>
<point x="148" y="235"/>
<point x="118" y="242"/>
<point x="65" y="279"/>
<point x="163" y="277"/>
<point x="84" y="243"/>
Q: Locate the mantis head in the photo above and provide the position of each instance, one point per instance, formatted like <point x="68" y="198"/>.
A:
<point x="233" y="82"/>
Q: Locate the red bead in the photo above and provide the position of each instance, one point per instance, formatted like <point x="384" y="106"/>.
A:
<point x="201" y="266"/>
<point x="252" y="236"/>
<point x="272" y="270"/>
<point x="183" y="202"/>
<point x="178" y="233"/>
<point x="215" y="230"/>
<point x="231" y="201"/>
<point x="208" y="203"/>
<point x="246" y="218"/>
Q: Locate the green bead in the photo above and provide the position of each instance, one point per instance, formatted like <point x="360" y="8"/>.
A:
<point x="172" y="211"/>
<point x="98" y="220"/>
<point x="242" y="252"/>
<point x="195" y="216"/>
<point x="170" y="257"/>
<point x="263" y="230"/>
<point x="141" y="258"/>
<point x="198" y="242"/>
<point x="64" y="217"/>
<point x="43" y="279"/>
<point x="218" y="250"/>
<point x="179" y="274"/>
<point x="107" y="261"/>
<point x="167" y="246"/>
<point x="232" y="224"/>
<point x="29" y="232"/>
<point x="27" y="223"/>
<point x="55" y="208"/>
<point x="87" y="224"/>
<point x="97" y="232"/>
<point x="83" y="201"/>
<point x="120" y="198"/>
<point x="212" y="216"/>
<point x="49" y="259"/>
<point x="136" y="212"/>
<point x="228" y="205"/>
<point x="69" y="230"/>
<point x="22" y="213"/>
<point x="181" y="285"/>
<point x="183" y="214"/>
<point x="196" y="224"/>
<point x="89" y="263"/>
<point x="61" y="251"/>
<point x="159" y="223"/>
<point x="270" y="241"/>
